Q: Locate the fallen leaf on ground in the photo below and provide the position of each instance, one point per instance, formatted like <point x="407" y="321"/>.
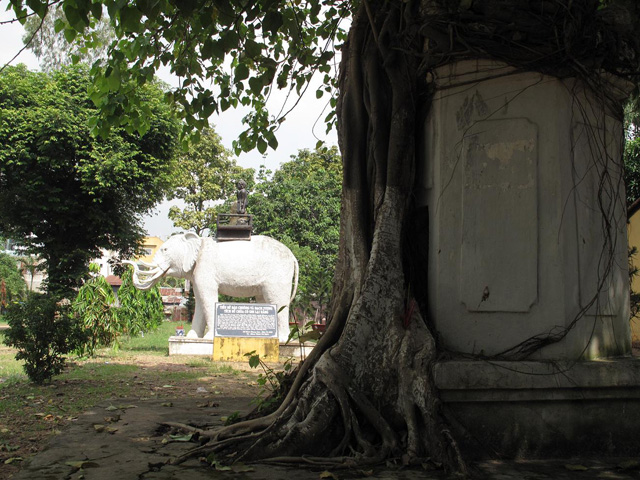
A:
<point x="167" y="404"/>
<point x="182" y="438"/>
<point x="575" y="468"/>
<point x="11" y="460"/>
<point x="241" y="467"/>
<point x="220" y="467"/>
<point x="98" y="428"/>
<point x="328" y="474"/>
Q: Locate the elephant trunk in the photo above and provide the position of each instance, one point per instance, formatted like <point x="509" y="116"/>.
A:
<point x="145" y="279"/>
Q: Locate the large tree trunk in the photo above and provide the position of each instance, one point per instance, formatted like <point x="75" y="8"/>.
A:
<point x="367" y="387"/>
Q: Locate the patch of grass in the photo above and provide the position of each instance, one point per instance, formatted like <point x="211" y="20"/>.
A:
<point x="152" y="343"/>
<point x="10" y="369"/>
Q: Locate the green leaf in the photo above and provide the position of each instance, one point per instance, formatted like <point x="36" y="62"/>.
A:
<point x="262" y="145"/>
<point x="130" y="19"/>
<point x="70" y="34"/>
<point x="272" y="22"/>
<point x="59" y="25"/>
<point x="254" y="360"/>
<point x="40" y="8"/>
<point x="241" y="72"/>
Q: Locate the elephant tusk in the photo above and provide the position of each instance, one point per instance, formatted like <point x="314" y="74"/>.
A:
<point x="143" y="280"/>
<point x="148" y="265"/>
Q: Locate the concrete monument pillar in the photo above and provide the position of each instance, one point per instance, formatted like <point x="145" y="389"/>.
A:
<point x="522" y="179"/>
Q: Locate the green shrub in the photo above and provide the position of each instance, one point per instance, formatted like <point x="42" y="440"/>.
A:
<point x="43" y="331"/>
<point x="140" y="310"/>
<point x="106" y="317"/>
<point x="96" y="310"/>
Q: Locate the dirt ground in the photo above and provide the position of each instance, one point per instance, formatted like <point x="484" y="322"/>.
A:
<point x="125" y="438"/>
<point x="30" y="417"/>
<point x="128" y="441"/>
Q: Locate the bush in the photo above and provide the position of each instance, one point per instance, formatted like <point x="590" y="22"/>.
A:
<point x="141" y="310"/>
<point x="96" y="310"/>
<point x="106" y="317"/>
<point x="43" y="331"/>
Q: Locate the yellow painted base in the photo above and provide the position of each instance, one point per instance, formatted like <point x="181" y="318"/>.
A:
<point x="233" y="349"/>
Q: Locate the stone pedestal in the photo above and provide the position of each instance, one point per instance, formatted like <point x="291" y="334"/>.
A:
<point x="179" y="345"/>
<point x="522" y="180"/>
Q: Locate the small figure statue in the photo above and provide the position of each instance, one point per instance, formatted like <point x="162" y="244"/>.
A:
<point x="242" y="197"/>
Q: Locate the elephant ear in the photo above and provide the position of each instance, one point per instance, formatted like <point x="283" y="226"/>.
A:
<point x="192" y="249"/>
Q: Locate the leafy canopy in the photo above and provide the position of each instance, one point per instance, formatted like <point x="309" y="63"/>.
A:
<point x="51" y="48"/>
<point x="226" y="54"/>
<point x="205" y="174"/>
<point x="64" y="193"/>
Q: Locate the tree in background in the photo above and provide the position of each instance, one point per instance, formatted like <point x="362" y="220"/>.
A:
<point x="300" y="206"/>
<point x="204" y="175"/>
<point x="11" y="277"/>
<point x="42" y="36"/>
<point x="66" y="193"/>
<point x="29" y="264"/>
<point x="632" y="149"/>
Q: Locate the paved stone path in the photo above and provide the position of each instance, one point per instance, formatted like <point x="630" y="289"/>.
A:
<point x="124" y="441"/>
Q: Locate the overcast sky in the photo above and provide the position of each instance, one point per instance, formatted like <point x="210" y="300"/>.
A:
<point x="296" y="133"/>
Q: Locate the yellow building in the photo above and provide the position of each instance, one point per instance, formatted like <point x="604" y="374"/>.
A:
<point x="150" y="246"/>
<point x="633" y="232"/>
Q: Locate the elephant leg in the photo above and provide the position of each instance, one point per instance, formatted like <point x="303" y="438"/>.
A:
<point x="208" y="313"/>
<point x="198" y="324"/>
<point x="279" y="295"/>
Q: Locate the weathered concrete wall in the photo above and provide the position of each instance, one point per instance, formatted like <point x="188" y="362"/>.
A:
<point x="522" y="179"/>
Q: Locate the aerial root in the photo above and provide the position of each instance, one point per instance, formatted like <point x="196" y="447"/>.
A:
<point x="455" y="456"/>
<point x="333" y="377"/>
<point x="187" y="428"/>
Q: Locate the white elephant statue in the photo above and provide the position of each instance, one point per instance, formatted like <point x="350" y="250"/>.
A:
<point x="262" y="267"/>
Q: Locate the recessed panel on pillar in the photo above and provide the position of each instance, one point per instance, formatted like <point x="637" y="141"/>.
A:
<point x="499" y="244"/>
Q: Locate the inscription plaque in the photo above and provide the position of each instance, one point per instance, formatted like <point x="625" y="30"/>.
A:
<point x="255" y="320"/>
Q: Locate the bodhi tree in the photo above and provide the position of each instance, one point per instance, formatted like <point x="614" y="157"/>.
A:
<point x="340" y="405"/>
